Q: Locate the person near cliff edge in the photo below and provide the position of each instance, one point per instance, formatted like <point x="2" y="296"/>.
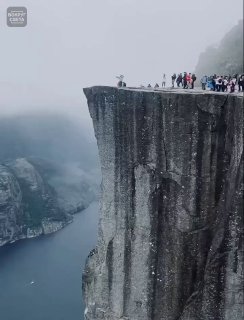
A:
<point x="241" y="83"/>
<point x="193" y="79"/>
<point x="219" y="83"/>
<point x="120" y="83"/>
<point x="204" y="81"/>
<point x="232" y="85"/>
<point x="179" y="80"/>
<point x="185" y="81"/>
<point x="173" y="80"/>
<point x="224" y="84"/>
<point x="188" y="78"/>
<point x="164" y="80"/>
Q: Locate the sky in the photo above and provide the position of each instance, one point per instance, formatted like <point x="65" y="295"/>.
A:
<point x="71" y="44"/>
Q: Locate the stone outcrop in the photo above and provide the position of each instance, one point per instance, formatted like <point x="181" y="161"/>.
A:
<point x="10" y="206"/>
<point x="170" y="235"/>
<point x="28" y="205"/>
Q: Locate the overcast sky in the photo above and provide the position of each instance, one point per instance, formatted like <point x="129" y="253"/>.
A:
<point x="71" y="44"/>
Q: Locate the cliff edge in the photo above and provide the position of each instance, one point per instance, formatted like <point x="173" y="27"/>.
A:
<point x="171" y="223"/>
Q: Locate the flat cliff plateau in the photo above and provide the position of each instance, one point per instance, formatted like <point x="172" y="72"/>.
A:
<point x="171" y="223"/>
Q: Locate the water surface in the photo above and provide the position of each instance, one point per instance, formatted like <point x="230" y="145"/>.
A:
<point x="40" y="279"/>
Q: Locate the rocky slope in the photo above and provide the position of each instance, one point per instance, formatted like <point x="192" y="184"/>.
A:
<point x="171" y="226"/>
<point x="28" y="205"/>
<point x="225" y="59"/>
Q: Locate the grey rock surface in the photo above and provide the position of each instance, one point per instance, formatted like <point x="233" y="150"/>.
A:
<point x="10" y="206"/>
<point x="28" y="205"/>
<point x="171" y="223"/>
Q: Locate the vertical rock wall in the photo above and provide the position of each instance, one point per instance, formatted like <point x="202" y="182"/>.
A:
<point x="170" y="236"/>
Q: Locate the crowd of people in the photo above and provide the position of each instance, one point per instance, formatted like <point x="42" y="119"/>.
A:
<point x="187" y="81"/>
<point x="223" y="83"/>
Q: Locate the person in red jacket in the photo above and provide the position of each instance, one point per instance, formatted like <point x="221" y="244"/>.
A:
<point x="188" y="77"/>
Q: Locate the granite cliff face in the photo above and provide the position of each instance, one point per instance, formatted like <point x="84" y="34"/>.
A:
<point x="28" y="205"/>
<point x="170" y="236"/>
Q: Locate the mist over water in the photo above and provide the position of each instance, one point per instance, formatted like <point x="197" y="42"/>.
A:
<point x="66" y="46"/>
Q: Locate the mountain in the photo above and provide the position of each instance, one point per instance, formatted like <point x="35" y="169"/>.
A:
<point x="49" y="171"/>
<point x="28" y="204"/>
<point x="226" y="58"/>
<point x="75" y="188"/>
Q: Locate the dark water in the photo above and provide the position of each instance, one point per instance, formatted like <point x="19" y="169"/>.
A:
<point x="54" y="263"/>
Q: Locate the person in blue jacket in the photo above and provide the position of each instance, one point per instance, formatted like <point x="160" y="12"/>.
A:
<point x="204" y="82"/>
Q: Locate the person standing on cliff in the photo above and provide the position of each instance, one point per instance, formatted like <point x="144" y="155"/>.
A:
<point x="224" y="84"/>
<point x="241" y="83"/>
<point x="193" y="79"/>
<point x="214" y="82"/>
<point x="185" y="80"/>
<point x="120" y="83"/>
<point x="204" y="81"/>
<point x="173" y="80"/>
<point x="232" y="85"/>
<point x="164" y="80"/>
<point x="179" y="80"/>
<point x="188" y="78"/>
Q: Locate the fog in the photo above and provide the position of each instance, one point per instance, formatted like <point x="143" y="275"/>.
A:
<point x="71" y="44"/>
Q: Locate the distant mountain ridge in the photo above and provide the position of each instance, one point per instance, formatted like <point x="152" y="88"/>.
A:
<point x="35" y="198"/>
<point x="48" y="172"/>
<point x="227" y="58"/>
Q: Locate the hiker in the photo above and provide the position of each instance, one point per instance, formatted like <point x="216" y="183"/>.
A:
<point x="204" y="81"/>
<point x="241" y="83"/>
<point x="119" y="84"/>
<point x="214" y="82"/>
<point x="164" y="81"/>
<point x="188" y="79"/>
<point x="219" y="83"/>
<point x="193" y="79"/>
<point x="185" y="81"/>
<point x="123" y="84"/>
<point x="173" y="80"/>
<point x="232" y="85"/>
<point x="149" y="86"/>
<point x="179" y="80"/>
<point x="210" y="83"/>
<point x="156" y="86"/>
<point x="224" y="84"/>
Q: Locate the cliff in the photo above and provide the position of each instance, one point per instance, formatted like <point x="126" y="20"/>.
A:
<point x="171" y="220"/>
<point x="28" y="205"/>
